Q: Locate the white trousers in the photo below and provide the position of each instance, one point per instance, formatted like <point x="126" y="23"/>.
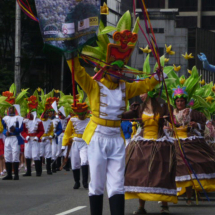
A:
<point x="54" y="149"/>
<point x="59" y="145"/>
<point x="45" y="149"/>
<point x="32" y="150"/>
<point x="106" y="156"/>
<point x="78" y="153"/>
<point x="11" y="149"/>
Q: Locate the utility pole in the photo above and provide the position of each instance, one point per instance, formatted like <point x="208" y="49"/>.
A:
<point x="17" y="68"/>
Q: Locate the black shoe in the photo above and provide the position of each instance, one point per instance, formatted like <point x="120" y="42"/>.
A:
<point x="8" y="177"/>
<point x="96" y="204"/>
<point x="76" y="175"/>
<point x="117" y="204"/>
<point x="9" y="171"/>
<point x="28" y="164"/>
<point x="16" y="170"/>
<point x="85" y="170"/>
<point x="41" y="165"/>
<point x="58" y="164"/>
<point x="76" y="186"/>
<point x="54" y="166"/>
<point x="38" y="167"/>
<point x="48" y="166"/>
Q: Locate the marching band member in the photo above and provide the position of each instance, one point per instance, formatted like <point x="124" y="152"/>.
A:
<point x="32" y="132"/>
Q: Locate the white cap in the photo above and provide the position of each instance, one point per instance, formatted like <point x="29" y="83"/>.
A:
<point x="54" y="106"/>
<point x="62" y="110"/>
<point x="17" y="107"/>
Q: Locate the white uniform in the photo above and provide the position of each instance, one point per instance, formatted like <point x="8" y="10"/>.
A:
<point x="55" y="142"/>
<point x="106" y="151"/>
<point x="60" y="138"/>
<point x="32" y="147"/>
<point x="45" y="145"/>
<point x="78" y="152"/>
<point x="11" y="146"/>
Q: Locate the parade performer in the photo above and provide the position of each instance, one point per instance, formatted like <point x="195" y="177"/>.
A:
<point x="150" y="158"/>
<point x="13" y="126"/>
<point x="64" y="119"/>
<point x="57" y="131"/>
<point x="108" y="97"/>
<point x="32" y="132"/>
<point x="190" y="126"/>
<point x="210" y="133"/>
<point x="74" y="132"/>
<point x="45" y="145"/>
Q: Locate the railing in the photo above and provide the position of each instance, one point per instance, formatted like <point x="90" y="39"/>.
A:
<point x="207" y="76"/>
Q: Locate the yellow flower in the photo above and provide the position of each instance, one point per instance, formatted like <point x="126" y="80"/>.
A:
<point x="213" y="88"/>
<point x="169" y="50"/>
<point x="189" y="71"/>
<point x="38" y="89"/>
<point x="182" y="80"/>
<point x="209" y="99"/>
<point x="104" y="10"/>
<point x="56" y="91"/>
<point x="166" y="60"/>
<point x="187" y="57"/>
<point x="176" y="68"/>
<point x="22" y="89"/>
<point x="146" y="49"/>
<point x="202" y="82"/>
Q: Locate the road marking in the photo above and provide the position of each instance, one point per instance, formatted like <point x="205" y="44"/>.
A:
<point x="72" y="210"/>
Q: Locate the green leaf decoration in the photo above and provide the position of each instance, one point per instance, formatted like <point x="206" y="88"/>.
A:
<point x="146" y="65"/>
<point x="102" y="47"/>
<point x="21" y="96"/>
<point x="81" y="94"/>
<point x="202" y="102"/>
<point x="162" y="60"/>
<point x="107" y="30"/>
<point x="13" y="89"/>
<point x="208" y="89"/>
<point x="2" y="98"/>
<point x="102" y="38"/>
<point x="93" y="52"/>
<point x="136" y="26"/>
<point x="169" y="70"/>
<point x="124" y="22"/>
<point x="135" y="29"/>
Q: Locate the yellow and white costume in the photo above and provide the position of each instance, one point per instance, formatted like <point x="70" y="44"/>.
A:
<point x="106" y="150"/>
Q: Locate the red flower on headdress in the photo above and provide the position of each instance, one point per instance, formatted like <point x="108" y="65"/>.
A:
<point x="10" y="97"/>
<point x="32" y="103"/>
<point x="49" y="102"/>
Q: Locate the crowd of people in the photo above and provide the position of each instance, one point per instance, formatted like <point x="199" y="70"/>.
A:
<point x="169" y="148"/>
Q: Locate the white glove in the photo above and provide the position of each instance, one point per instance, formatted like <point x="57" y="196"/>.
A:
<point x="27" y="138"/>
<point x="161" y="78"/>
<point x="43" y="139"/>
<point x="35" y="138"/>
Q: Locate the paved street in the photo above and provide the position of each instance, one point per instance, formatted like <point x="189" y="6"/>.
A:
<point x="50" y="195"/>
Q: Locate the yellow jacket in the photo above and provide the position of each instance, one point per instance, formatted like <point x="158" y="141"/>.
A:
<point x="92" y="89"/>
<point x="50" y="129"/>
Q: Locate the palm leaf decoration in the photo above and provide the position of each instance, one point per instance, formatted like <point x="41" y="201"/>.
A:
<point x="124" y="22"/>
